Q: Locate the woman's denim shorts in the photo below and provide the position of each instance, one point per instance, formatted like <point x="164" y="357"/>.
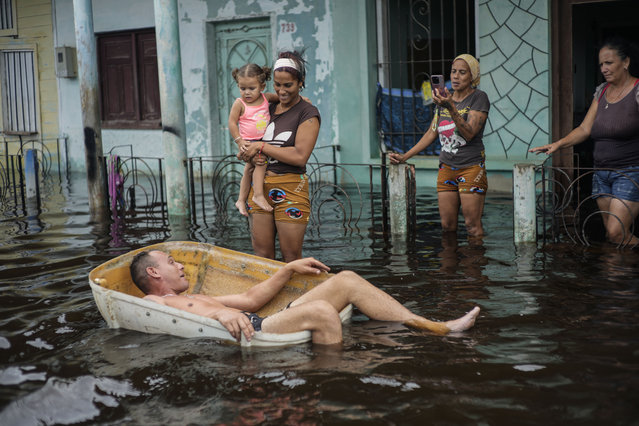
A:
<point x="623" y="184"/>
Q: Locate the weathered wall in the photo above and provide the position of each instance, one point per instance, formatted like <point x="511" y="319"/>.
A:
<point x="109" y="15"/>
<point x="339" y="37"/>
<point x="35" y="32"/>
<point x="340" y="79"/>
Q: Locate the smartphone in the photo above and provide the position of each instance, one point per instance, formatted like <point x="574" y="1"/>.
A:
<point x="437" y="83"/>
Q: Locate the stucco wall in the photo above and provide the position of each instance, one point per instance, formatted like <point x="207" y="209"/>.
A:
<point x="112" y="15"/>
<point x="514" y="48"/>
<point x="338" y="80"/>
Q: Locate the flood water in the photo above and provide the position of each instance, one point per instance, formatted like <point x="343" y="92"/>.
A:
<point x="557" y="340"/>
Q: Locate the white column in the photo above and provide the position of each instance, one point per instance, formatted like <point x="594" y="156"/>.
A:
<point x="397" y="188"/>
<point x="524" y="204"/>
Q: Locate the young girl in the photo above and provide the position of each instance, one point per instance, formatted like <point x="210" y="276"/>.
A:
<point x="248" y="119"/>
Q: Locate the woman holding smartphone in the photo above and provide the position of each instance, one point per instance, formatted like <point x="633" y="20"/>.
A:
<point x="459" y="122"/>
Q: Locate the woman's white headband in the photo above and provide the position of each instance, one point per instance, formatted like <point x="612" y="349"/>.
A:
<point x="285" y="62"/>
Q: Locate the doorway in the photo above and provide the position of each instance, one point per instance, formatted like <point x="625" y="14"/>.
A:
<point x="234" y="43"/>
<point x="578" y="28"/>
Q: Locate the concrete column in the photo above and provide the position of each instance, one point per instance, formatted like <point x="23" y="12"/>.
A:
<point x="397" y="189"/>
<point x="172" y="103"/>
<point x="89" y="96"/>
<point x="524" y="204"/>
<point x="31" y="175"/>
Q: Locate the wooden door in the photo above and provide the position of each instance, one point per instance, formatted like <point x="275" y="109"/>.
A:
<point x="237" y="43"/>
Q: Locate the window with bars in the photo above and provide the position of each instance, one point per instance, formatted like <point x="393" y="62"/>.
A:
<point x="129" y="85"/>
<point x="8" y="18"/>
<point x="19" y="100"/>
<point x="417" y="38"/>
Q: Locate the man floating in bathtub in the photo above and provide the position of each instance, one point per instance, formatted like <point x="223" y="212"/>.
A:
<point x="162" y="279"/>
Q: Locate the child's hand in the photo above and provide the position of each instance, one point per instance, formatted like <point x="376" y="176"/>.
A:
<point x="243" y="145"/>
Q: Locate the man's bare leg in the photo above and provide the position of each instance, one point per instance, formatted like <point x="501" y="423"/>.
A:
<point x="348" y="287"/>
<point x="317" y="316"/>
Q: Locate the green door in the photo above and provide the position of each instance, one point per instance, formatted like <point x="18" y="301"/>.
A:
<point x="237" y="43"/>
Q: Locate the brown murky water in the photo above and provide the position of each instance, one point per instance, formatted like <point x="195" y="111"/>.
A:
<point x="557" y="341"/>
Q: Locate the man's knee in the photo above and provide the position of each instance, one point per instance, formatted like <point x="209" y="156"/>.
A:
<point x="348" y="280"/>
<point x="324" y="313"/>
<point x="348" y="275"/>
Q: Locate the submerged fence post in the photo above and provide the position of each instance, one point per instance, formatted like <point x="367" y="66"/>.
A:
<point x="31" y="175"/>
<point x="524" y="204"/>
<point x="172" y="105"/>
<point x="91" y="121"/>
<point x="397" y="189"/>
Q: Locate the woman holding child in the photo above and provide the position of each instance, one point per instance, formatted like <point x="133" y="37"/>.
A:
<point x="287" y="143"/>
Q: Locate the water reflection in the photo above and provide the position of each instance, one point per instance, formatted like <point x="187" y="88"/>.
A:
<point x="556" y="341"/>
<point x="467" y="260"/>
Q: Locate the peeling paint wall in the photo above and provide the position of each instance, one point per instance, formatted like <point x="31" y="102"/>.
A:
<point x="340" y="69"/>
<point x="295" y="25"/>
<point x="111" y="15"/>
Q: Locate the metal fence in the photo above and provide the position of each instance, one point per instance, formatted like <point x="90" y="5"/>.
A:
<point x="338" y="198"/>
<point x="52" y="160"/>
<point x="566" y="206"/>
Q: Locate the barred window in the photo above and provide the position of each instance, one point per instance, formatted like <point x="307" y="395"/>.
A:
<point x="130" y="89"/>
<point x="8" y="18"/>
<point x="417" y="38"/>
<point x="19" y="102"/>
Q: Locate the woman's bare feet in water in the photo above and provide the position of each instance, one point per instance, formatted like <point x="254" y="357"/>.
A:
<point x="241" y="206"/>
<point x="262" y="203"/>
<point x="460" y="324"/>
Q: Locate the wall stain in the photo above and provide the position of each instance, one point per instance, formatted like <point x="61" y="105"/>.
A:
<point x="171" y="130"/>
<point x="89" y="146"/>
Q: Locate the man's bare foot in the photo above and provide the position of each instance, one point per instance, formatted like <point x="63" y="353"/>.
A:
<point x="262" y="203"/>
<point x="465" y="322"/>
<point x="460" y="324"/>
<point x="241" y="206"/>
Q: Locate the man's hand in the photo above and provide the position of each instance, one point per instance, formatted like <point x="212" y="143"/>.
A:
<point x="307" y="266"/>
<point x="236" y="323"/>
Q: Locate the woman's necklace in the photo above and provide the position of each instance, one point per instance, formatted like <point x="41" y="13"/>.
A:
<point x="283" y="109"/>
<point x="619" y="96"/>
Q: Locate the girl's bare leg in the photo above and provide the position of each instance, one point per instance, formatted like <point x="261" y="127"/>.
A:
<point x="245" y="187"/>
<point x="258" y="188"/>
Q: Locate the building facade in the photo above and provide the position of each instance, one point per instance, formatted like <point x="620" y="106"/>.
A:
<point x="28" y="85"/>
<point x="353" y="50"/>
